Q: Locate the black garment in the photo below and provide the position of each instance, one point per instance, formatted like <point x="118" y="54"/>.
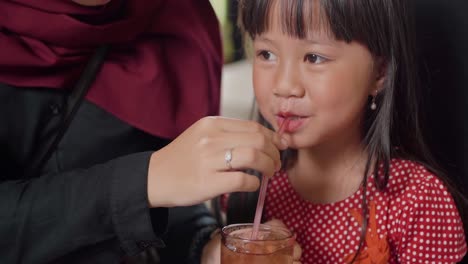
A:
<point x="89" y="204"/>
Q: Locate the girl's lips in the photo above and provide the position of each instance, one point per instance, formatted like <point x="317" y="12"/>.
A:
<point x="295" y="123"/>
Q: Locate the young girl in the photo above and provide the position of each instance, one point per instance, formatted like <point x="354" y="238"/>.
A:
<point x="356" y="185"/>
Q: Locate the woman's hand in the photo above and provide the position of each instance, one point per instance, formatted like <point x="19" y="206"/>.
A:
<point x="193" y="168"/>
<point x="212" y="251"/>
<point x="297" y="252"/>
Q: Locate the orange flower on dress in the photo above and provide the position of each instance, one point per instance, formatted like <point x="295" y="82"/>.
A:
<point x="378" y="250"/>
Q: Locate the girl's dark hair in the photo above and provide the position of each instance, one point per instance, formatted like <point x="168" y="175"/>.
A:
<point x="384" y="26"/>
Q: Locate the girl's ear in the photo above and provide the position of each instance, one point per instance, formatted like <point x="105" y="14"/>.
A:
<point x="380" y="73"/>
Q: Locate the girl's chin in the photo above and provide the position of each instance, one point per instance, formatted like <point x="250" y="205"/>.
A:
<point x="296" y="142"/>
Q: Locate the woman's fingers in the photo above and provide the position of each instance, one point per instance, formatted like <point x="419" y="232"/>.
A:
<point x="276" y="222"/>
<point x="243" y="158"/>
<point x="208" y="159"/>
<point x="239" y="151"/>
<point x="235" y="181"/>
<point x="297" y="252"/>
<point x="257" y="141"/>
<point x="246" y="151"/>
<point x="235" y="125"/>
<point x="230" y="125"/>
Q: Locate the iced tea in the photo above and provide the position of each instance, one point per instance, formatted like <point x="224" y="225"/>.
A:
<point x="273" y="245"/>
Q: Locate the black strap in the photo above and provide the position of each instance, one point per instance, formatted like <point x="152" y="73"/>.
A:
<point x="72" y="106"/>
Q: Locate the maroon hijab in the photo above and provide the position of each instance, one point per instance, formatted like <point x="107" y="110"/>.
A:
<point x="162" y="72"/>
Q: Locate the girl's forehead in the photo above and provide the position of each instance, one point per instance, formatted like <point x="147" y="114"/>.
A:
<point x="304" y="21"/>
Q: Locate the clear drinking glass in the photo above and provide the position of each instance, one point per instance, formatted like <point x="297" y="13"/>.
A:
<point x="273" y="245"/>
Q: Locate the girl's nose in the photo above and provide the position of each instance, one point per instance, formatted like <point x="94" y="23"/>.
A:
<point x="288" y="82"/>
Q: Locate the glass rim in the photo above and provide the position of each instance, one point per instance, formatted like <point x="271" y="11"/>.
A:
<point x="288" y="234"/>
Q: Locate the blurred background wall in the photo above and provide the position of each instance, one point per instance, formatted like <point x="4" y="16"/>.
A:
<point x="237" y="97"/>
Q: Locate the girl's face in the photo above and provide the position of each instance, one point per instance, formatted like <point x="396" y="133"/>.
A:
<point x="320" y="83"/>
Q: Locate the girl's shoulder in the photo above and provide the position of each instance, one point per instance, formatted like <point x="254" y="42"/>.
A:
<point x="422" y="215"/>
<point x="414" y="194"/>
<point x="409" y="178"/>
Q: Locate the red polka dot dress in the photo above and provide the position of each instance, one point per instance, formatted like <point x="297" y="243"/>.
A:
<point x="414" y="220"/>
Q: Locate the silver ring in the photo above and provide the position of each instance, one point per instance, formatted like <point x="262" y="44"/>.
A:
<point x="228" y="158"/>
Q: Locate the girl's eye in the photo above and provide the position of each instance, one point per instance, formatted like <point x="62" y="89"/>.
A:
<point x="314" y="58"/>
<point x="266" y="55"/>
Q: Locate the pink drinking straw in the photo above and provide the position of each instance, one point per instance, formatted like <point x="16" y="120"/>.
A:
<point x="262" y="194"/>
